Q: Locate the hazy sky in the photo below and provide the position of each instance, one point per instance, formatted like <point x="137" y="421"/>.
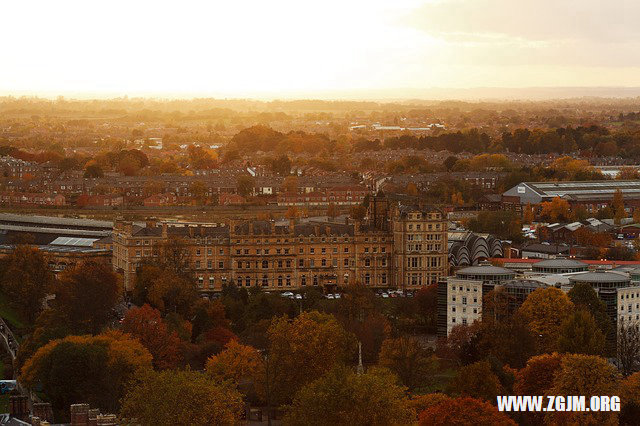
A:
<point x="288" y="48"/>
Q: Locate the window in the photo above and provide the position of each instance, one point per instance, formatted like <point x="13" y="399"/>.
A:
<point x="247" y="282"/>
<point x="303" y="280"/>
<point x="209" y="264"/>
<point x="324" y="262"/>
<point x="301" y="263"/>
<point x="265" y="264"/>
<point x="211" y="279"/>
<point x="288" y="280"/>
<point x="221" y="265"/>
<point x="279" y="280"/>
<point x="265" y="281"/>
<point x="315" y="280"/>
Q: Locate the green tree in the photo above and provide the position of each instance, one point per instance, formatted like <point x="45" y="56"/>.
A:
<point x="585" y="297"/>
<point x="343" y="397"/>
<point x="91" y="369"/>
<point x="410" y="361"/>
<point x="86" y="294"/>
<point x="172" y="397"/>
<point x="476" y="380"/>
<point x="26" y="279"/>
<point x="245" y="185"/>
<point x="579" y="334"/>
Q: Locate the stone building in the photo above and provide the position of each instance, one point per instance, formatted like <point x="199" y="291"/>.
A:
<point x="407" y="248"/>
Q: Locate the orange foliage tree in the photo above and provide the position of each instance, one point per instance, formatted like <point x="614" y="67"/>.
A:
<point x="146" y="324"/>
<point x="464" y="411"/>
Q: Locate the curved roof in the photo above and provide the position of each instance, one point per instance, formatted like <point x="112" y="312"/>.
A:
<point x="599" y="277"/>
<point x="560" y="263"/>
<point x="485" y="270"/>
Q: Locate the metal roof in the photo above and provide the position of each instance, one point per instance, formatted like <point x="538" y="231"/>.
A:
<point x="73" y="241"/>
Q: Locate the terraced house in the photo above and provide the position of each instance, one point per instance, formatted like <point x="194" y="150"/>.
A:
<point x="404" y="248"/>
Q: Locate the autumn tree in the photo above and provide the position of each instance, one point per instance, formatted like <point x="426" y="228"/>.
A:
<point x="25" y="279"/>
<point x="528" y="215"/>
<point x="343" y="397"/>
<point x="408" y="359"/>
<point x="245" y="185"/>
<point x="556" y="210"/>
<point x="302" y="350"/>
<point x="476" y="380"/>
<point x="238" y="363"/>
<point x="508" y="339"/>
<point x="586" y="375"/>
<point x="86" y="294"/>
<point x="290" y="184"/>
<point x="332" y="210"/>
<point x="92" y="369"/>
<point x="545" y="310"/>
<point x="292" y="212"/>
<point x="164" y="289"/>
<point x="464" y="411"/>
<point x="168" y="398"/>
<point x="537" y="376"/>
<point x="617" y="204"/>
<point x="198" y="191"/>
<point x="629" y="392"/>
<point x="146" y="325"/>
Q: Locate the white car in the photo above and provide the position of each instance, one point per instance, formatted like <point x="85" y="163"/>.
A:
<point x="299" y="296"/>
<point x="329" y="296"/>
<point x="385" y="296"/>
<point x="337" y="295"/>
<point x="287" y="294"/>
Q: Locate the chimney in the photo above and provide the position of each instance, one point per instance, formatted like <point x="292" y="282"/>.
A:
<point x="165" y="230"/>
<point x="356" y="228"/>
<point x="107" y="420"/>
<point x="316" y="230"/>
<point x="250" y="227"/>
<point x="43" y="411"/>
<point x="292" y="226"/>
<point x="151" y="222"/>
<point x="79" y="414"/>
<point x="327" y="230"/>
<point x="19" y="406"/>
<point x="273" y="227"/>
<point x="190" y="231"/>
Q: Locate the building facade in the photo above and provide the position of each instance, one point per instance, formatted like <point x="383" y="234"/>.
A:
<point x="407" y="250"/>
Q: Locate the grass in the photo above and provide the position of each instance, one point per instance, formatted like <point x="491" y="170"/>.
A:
<point x="8" y="314"/>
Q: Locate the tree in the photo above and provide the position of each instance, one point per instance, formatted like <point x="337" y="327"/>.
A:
<point x="290" y="184"/>
<point x="476" y="380"/>
<point x="245" y="185"/>
<point x="344" y="398"/>
<point x="629" y="392"/>
<point x="198" y="191"/>
<point x="406" y="358"/>
<point x="172" y="397"/>
<point x="332" y="210"/>
<point x="556" y="210"/>
<point x="302" y="350"/>
<point x="546" y="309"/>
<point x="147" y="326"/>
<point x="281" y="165"/>
<point x="579" y="334"/>
<point x="164" y="289"/>
<point x="87" y="294"/>
<point x="450" y="162"/>
<point x="92" y="369"/>
<point x="93" y="170"/>
<point x="617" y="204"/>
<point x="586" y="375"/>
<point x="292" y="212"/>
<point x="464" y="411"/>
<point x="237" y="362"/>
<point x="25" y="280"/>
<point x="508" y="339"/>
<point x="628" y="347"/>
<point x="537" y="377"/>
<point x="529" y="215"/>
<point x="585" y="297"/>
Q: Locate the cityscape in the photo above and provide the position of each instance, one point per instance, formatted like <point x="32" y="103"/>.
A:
<point x="356" y="213"/>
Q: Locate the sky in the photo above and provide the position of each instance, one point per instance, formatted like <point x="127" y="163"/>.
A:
<point x="302" y="48"/>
